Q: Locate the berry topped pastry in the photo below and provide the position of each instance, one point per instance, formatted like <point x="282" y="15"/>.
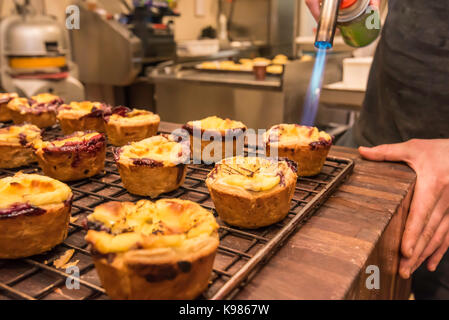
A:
<point x="5" y="98"/>
<point x="307" y="146"/>
<point x="83" y="116"/>
<point x="125" y="125"/>
<point x="40" y="110"/>
<point x="153" y="250"/>
<point x="14" y="145"/>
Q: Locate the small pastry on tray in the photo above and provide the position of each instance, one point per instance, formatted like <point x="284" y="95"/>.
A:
<point x="125" y="125"/>
<point x="74" y="157"/>
<point x="213" y="139"/>
<point x="14" y="145"/>
<point x="147" y="250"/>
<point x="307" y="146"/>
<point x="252" y="192"/>
<point x="83" y="116"/>
<point x="153" y="166"/>
<point x="34" y="214"/>
<point x="5" y="98"/>
<point x="40" y="110"/>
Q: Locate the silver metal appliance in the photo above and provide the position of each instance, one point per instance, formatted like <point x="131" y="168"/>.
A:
<point x="35" y="56"/>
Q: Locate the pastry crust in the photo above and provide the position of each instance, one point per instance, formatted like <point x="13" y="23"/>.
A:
<point x="34" y="215"/>
<point x="75" y="157"/>
<point x="153" y="166"/>
<point x="40" y="110"/>
<point x="252" y="192"/>
<point x="153" y="251"/>
<point x="83" y="116"/>
<point x="14" y="145"/>
<point x="5" y="98"/>
<point x="214" y="133"/>
<point x="307" y="146"/>
<point x="126" y="125"/>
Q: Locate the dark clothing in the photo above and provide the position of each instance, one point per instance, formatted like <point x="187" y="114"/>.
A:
<point x="408" y="89"/>
<point x="408" y="97"/>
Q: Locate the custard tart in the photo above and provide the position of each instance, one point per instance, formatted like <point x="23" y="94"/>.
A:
<point x="40" y="110"/>
<point x="83" y="116"/>
<point x="14" y="145"/>
<point x="74" y="157"/>
<point x="213" y="139"/>
<point x="307" y="146"/>
<point x="147" y="250"/>
<point x="252" y="192"/>
<point x="153" y="166"/>
<point x="34" y="214"/>
<point x="5" y="98"/>
<point x="126" y="125"/>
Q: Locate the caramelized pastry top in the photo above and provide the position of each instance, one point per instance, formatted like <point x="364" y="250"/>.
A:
<point x="7" y="97"/>
<point x="251" y="173"/>
<point x="155" y="151"/>
<point x="123" y="115"/>
<point x="168" y="223"/>
<point x="44" y="102"/>
<point x="77" y="110"/>
<point x="215" y="123"/>
<point x="24" y="192"/>
<point x="20" y="135"/>
<point x="293" y="134"/>
<point x="76" y="142"/>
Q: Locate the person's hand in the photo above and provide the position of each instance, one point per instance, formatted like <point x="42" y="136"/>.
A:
<point x="426" y="234"/>
<point x="314" y="7"/>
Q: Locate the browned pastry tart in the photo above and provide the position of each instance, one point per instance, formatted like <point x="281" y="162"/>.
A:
<point x="5" y="98"/>
<point x="40" y="110"/>
<point x="34" y="214"/>
<point x="83" y="116"/>
<point x="307" y="146"/>
<point x="126" y="125"/>
<point x="211" y="150"/>
<point x="74" y="157"/>
<point x="160" y="250"/>
<point x="152" y="166"/>
<point x="252" y="192"/>
<point x="14" y="145"/>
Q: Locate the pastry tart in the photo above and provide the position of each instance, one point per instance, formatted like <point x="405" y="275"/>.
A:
<point x="213" y="139"/>
<point x="40" y="110"/>
<point x="153" y="166"/>
<point x="34" y="214"/>
<point x="147" y="250"/>
<point x="5" y="98"/>
<point x="252" y="192"/>
<point x="307" y="146"/>
<point x="126" y="125"/>
<point x="14" y="145"/>
<point x="74" y="157"/>
<point x="83" y="116"/>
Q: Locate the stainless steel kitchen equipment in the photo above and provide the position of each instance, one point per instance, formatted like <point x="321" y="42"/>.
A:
<point x="35" y="56"/>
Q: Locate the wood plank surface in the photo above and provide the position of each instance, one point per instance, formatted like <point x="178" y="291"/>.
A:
<point x="359" y="226"/>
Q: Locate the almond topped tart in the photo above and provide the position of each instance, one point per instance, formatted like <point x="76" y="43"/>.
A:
<point x="148" y="250"/>
<point x="83" y="116"/>
<point x="74" y="157"/>
<point x="307" y="146"/>
<point x="125" y="125"/>
<point x="40" y="110"/>
<point x="213" y="139"/>
<point x="153" y="166"/>
<point x="252" y="192"/>
<point x="14" y="145"/>
<point x="34" y="214"/>
<point x="5" y="98"/>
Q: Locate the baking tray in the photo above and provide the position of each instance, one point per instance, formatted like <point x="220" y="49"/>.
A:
<point x="240" y="255"/>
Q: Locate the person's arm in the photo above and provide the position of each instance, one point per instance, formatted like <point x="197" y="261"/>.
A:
<point x="314" y="6"/>
<point x="426" y="232"/>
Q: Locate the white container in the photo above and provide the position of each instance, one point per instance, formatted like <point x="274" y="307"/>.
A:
<point x="198" y="48"/>
<point x="356" y="72"/>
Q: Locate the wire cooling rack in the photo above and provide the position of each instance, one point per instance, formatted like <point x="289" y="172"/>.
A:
<point x="240" y="255"/>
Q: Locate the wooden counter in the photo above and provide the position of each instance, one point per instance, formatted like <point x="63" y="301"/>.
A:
<point x="359" y="226"/>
